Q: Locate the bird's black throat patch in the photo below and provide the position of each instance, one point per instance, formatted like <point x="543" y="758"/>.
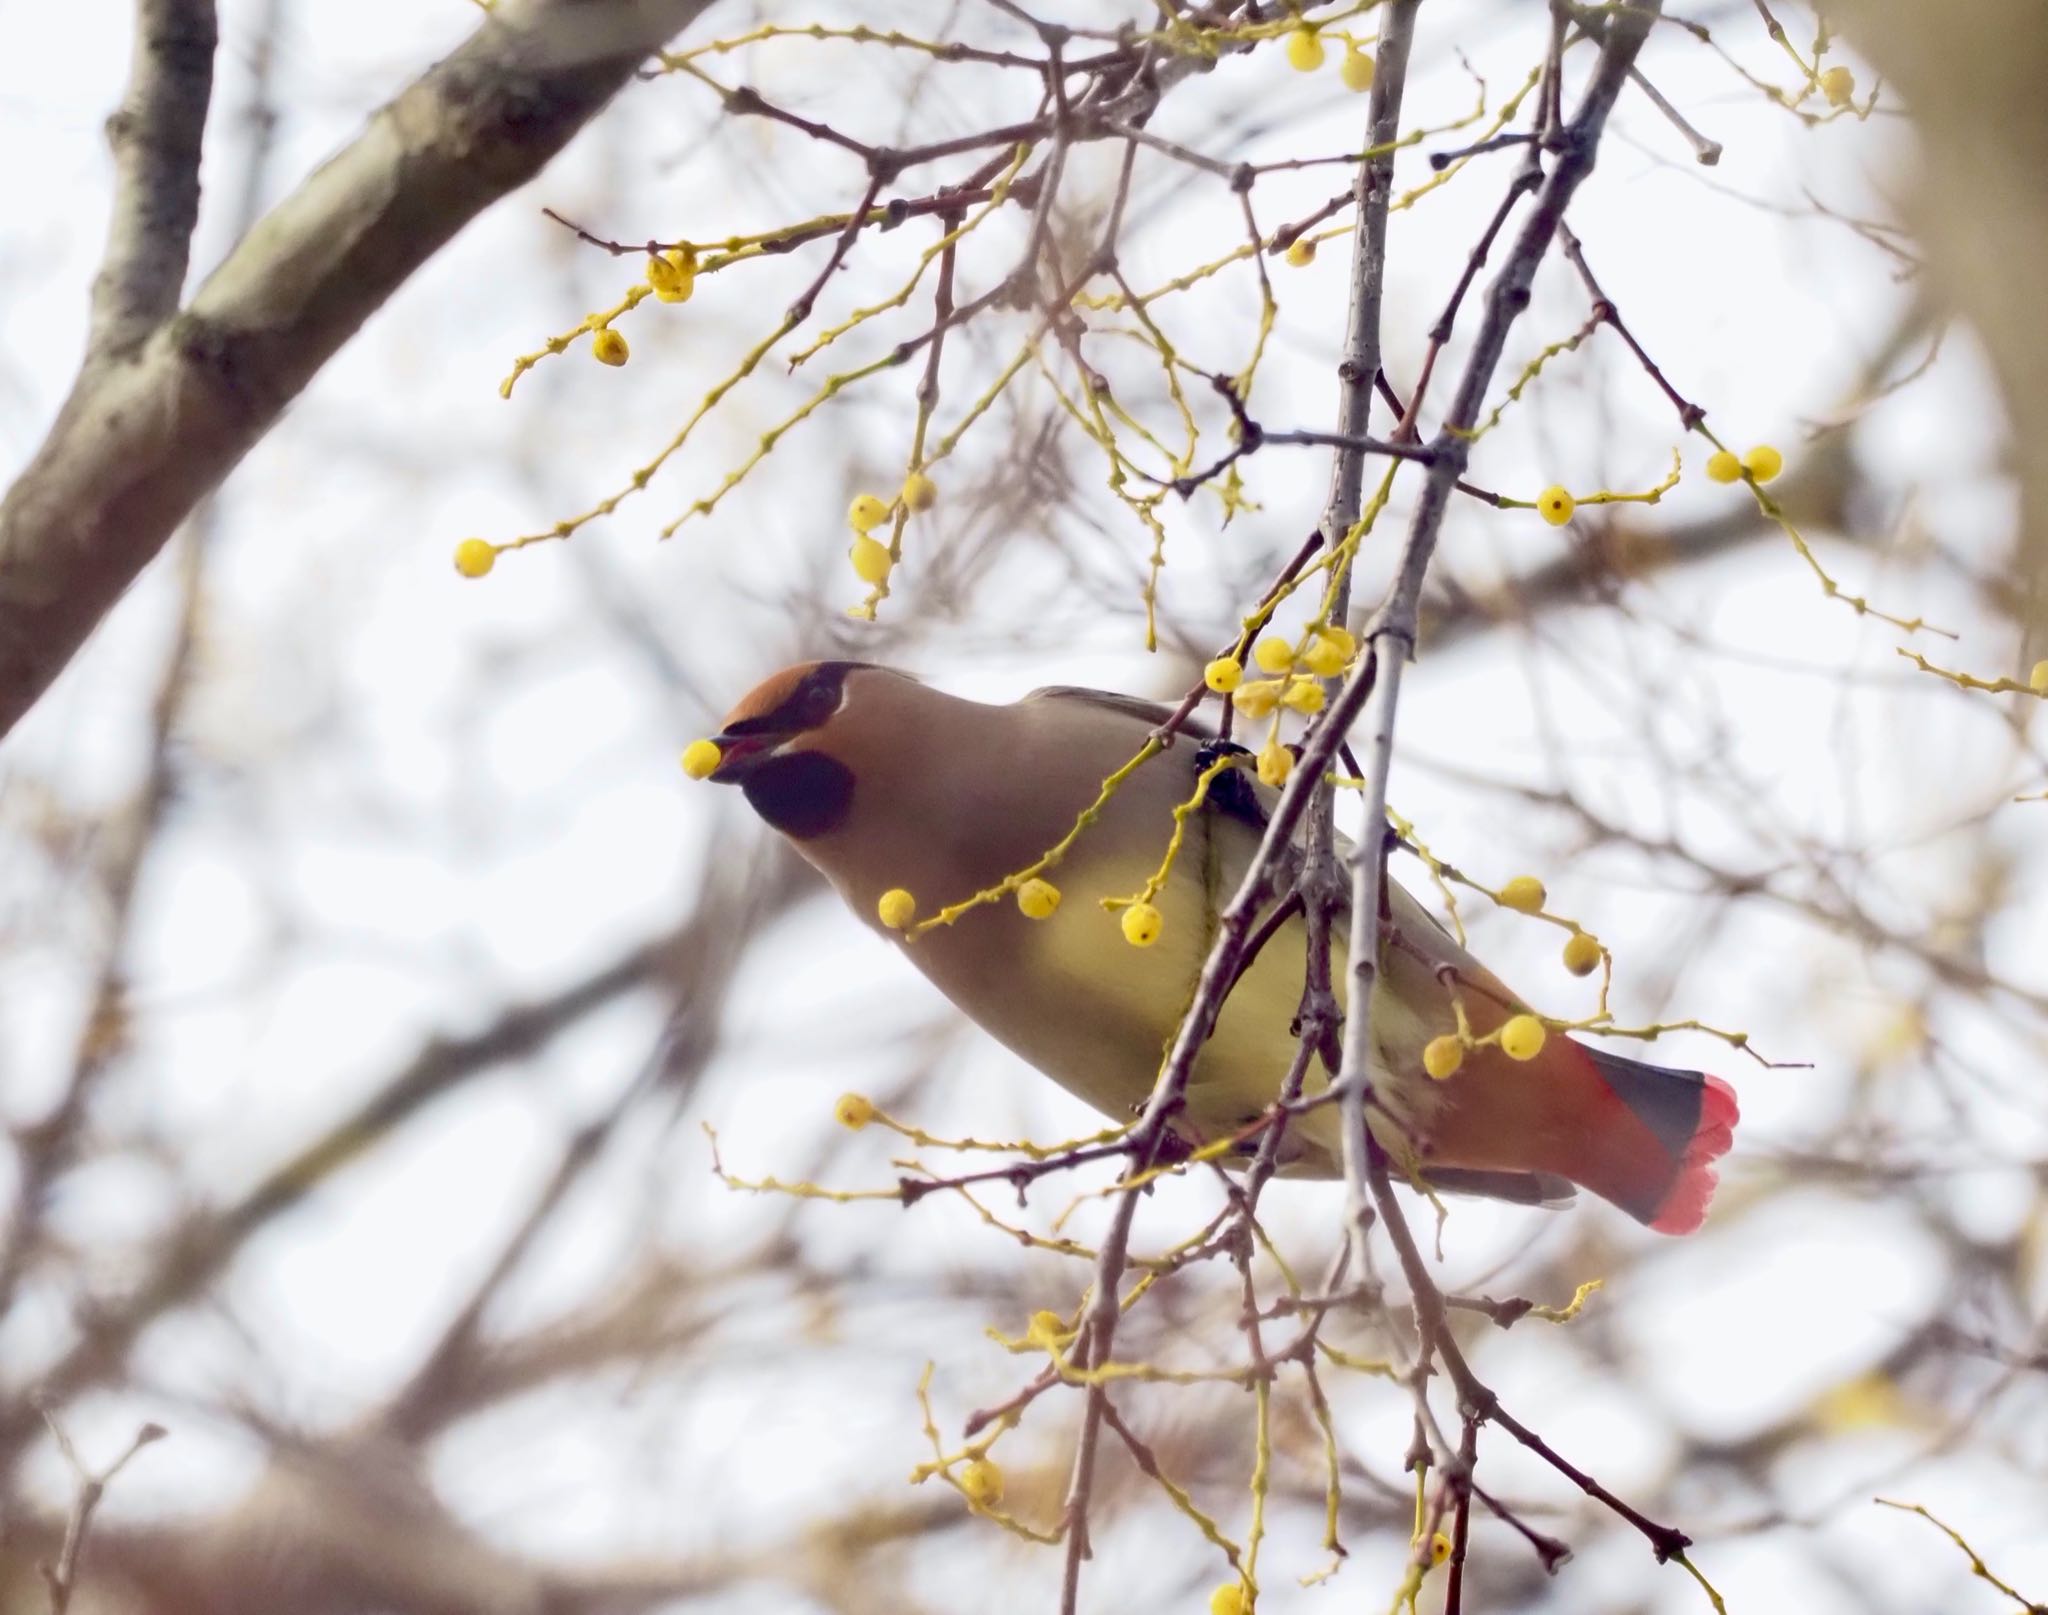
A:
<point x="803" y="793"/>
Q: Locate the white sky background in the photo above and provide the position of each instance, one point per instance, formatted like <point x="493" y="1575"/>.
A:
<point x="412" y="797"/>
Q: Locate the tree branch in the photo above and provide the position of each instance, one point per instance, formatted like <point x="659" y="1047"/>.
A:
<point x="156" y="137"/>
<point x="141" y="439"/>
<point x="1390" y="636"/>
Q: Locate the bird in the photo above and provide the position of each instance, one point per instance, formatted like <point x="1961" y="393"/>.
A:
<point x="886" y="785"/>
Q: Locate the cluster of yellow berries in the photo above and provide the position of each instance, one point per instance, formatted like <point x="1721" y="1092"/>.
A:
<point x="1305" y="54"/>
<point x="1762" y="463"/>
<point x="1525" y="894"/>
<point x="1556" y="505"/>
<point x="897" y="907"/>
<point x="1327" y="653"/>
<point x="854" y="1111"/>
<point x="1838" y="84"/>
<point x="1521" y="1038"/>
<point x="871" y="559"/>
<point x="673" y="276"/>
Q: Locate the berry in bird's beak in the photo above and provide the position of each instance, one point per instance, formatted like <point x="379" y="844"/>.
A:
<point x="737" y="754"/>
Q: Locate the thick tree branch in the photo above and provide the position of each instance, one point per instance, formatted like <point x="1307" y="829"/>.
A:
<point x="156" y="138"/>
<point x="144" y="436"/>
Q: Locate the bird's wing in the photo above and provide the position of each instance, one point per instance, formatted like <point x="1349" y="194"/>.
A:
<point x="1237" y="810"/>
<point x="1150" y="713"/>
<point x="1237" y="795"/>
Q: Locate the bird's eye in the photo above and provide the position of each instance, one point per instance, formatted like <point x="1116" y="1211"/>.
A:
<point x="820" y="701"/>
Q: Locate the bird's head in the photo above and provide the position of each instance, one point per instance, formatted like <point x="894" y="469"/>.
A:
<point x="778" y="744"/>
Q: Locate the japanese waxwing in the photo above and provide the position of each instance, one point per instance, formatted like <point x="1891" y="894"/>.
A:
<point x="885" y="784"/>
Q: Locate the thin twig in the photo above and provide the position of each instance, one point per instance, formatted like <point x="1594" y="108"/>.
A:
<point x="62" y="1576"/>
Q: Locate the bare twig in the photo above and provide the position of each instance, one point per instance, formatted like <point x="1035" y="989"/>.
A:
<point x="62" y="1576"/>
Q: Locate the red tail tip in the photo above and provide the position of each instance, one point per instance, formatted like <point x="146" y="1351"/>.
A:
<point x="1684" y="1206"/>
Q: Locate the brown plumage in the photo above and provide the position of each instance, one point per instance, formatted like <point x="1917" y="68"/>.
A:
<point x="882" y="782"/>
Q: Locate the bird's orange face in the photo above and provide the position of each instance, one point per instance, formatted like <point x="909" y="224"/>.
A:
<point x="783" y="707"/>
<point x="772" y="747"/>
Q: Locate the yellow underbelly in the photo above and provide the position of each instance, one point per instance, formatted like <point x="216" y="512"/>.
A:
<point x="1100" y="1014"/>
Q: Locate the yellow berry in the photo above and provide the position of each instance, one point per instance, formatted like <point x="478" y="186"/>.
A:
<point x="919" y="492"/>
<point x="1555" y="506"/>
<point x="1838" y="84"/>
<point x="1304" y="695"/>
<point x="1763" y="462"/>
<point x="1229" y="1599"/>
<point x="1356" y="70"/>
<point x="896" y="909"/>
<point x="854" y="1111"/>
<point x="866" y="512"/>
<point x="1304" y="50"/>
<point x="2037" y="680"/>
<point x="1038" y="898"/>
<point x="1276" y="762"/>
<point x="1302" y="253"/>
<point x="1722" y="466"/>
<point x="475" y="556"/>
<point x="1439" y="1548"/>
<point x="1441" y="1056"/>
<point x="1224" y="674"/>
<point x="1142" y="924"/>
<point x="608" y="347"/>
<point x="701" y="758"/>
<point x="1523" y="1037"/>
<point x="1273" y="654"/>
<point x="1258" y="698"/>
<point x="982" y="1481"/>
<point x="673" y="274"/>
<point x="871" y="559"/>
<point x="1524" y="894"/>
<point x="1581" y="953"/>
<point x="1328" y="652"/>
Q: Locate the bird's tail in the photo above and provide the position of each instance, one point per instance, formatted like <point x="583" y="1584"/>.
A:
<point x="1659" y="1167"/>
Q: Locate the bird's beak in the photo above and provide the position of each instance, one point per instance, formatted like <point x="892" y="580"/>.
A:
<point x="739" y="754"/>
